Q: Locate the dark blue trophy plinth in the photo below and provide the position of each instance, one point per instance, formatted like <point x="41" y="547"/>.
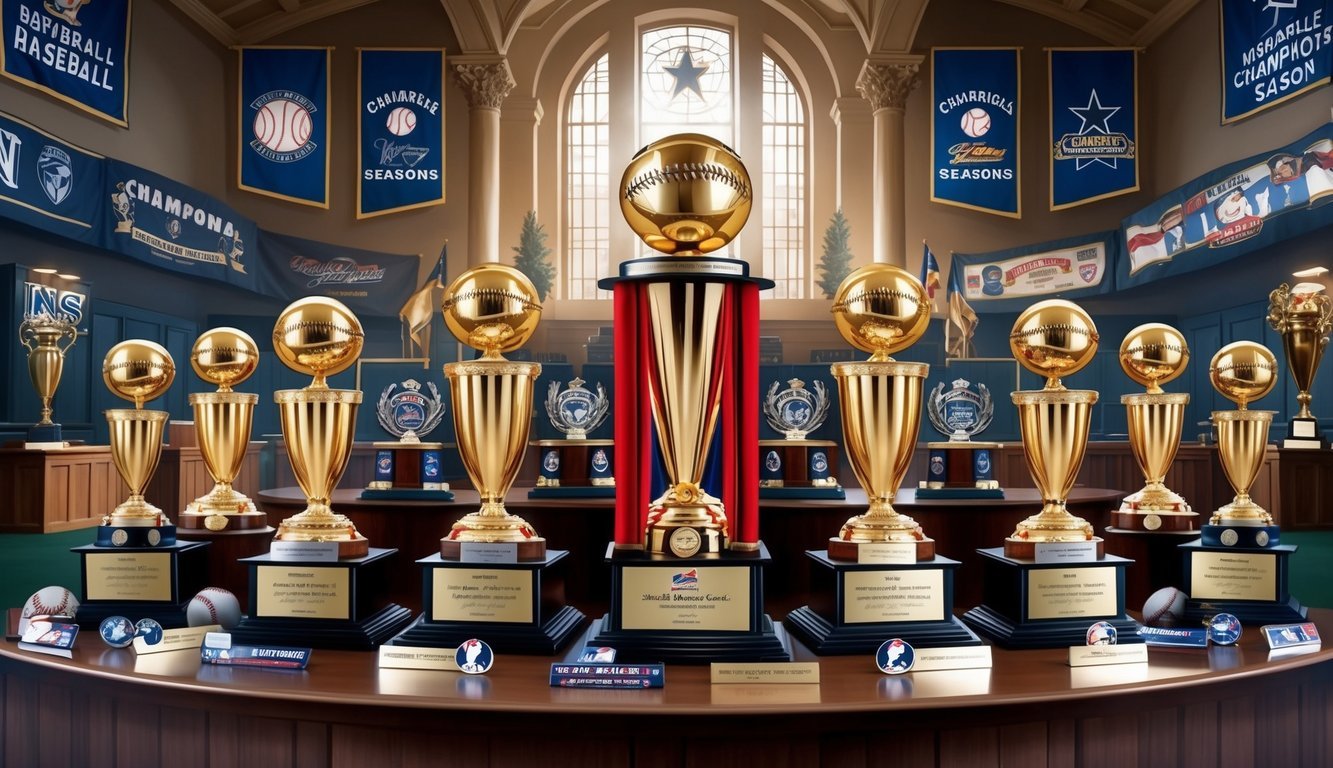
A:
<point x="140" y="582"/>
<point x="42" y="435"/>
<point x="1251" y="583"/>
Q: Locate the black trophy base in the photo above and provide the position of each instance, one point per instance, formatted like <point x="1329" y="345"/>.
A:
<point x="1304" y="434"/>
<point x="165" y="579"/>
<point x="1251" y="584"/>
<point x="1240" y="536"/>
<point x="522" y="639"/>
<point x="573" y="492"/>
<point x="1022" y="607"/>
<point x="826" y="492"/>
<point x="136" y="537"/>
<point x="169" y="615"/>
<point x="842" y="618"/>
<point x="43" y="436"/>
<point x="337" y="634"/>
<point x="641" y="646"/>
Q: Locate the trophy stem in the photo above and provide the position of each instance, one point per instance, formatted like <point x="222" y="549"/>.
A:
<point x="1054" y="424"/>
<point x="136" y="447"/>
<point x="1242" y="440"/>
<point x="318" y="426"/>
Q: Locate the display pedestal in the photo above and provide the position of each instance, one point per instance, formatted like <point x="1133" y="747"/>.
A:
<point x="208" y="522"/>
<point x="689" y="610"/>
<point x="228" y="549"/>
<point x="140" y="582"/>
<point x="407" y="472"/>
<point x="1031" y="605"/>
<point x="961" y="469"/>
<point x="572" y="469"/>
<point x="1156" y="556"/>
<point x="799" y="469"/>
<point x="1248" y="582"/>
<point x="320" y="604"/>
<point x="44" y="437"/>
<point x="854" y="608"/>
<point x="514" y="607"/>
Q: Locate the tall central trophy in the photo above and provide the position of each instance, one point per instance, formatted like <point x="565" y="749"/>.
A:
<point x="687" y="339"/>
<point x="47" y="337"/>
<point x="1052" y="578"/>
<point x="1303" y="314"/>
<point x="1239" y="566"/>
<point x="494" y="576"/>
<point x="880" y="576"/>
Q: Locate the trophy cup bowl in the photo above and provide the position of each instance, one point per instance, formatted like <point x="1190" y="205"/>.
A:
<point x="223" y="357"/>
<point x="139" y="371"/>
<point x="881" y="309"/>
<point x="494" y="308"/>
<point x="319" y="336"/>
<point x="686" y="194"/>
<point x="1303" y="315"/>
<point x="1242" y="371"/>
<point x="47" y="338"/>
<point x="1151" y="355"/>
<point x="1053" y="338"/>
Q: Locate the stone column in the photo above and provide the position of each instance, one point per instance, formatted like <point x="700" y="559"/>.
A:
<point x="885" y="84"/>
<point x="485" y="81"/>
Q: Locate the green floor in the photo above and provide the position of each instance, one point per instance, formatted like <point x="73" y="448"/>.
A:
<point x="29" y="562"/>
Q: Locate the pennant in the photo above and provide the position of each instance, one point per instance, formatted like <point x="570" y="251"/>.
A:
<point x="419" y="310"/>
<point x="1093" y="96"/>
<point x="368" y="282"/>
<point x="75" y="50"/>
<point x="50" y="184"/>
<point x="284" y="124"/>
<point x="962" y="324"/>
<point x="974" y="129"/>
<point x="1010" y="280"/>
<point x="1273" y="51"/>
<point x="930" y="273"/>
<point x="400" y="130"/>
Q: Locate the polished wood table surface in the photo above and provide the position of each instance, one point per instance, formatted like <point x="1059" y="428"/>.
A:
<point x="1216" y="707"/>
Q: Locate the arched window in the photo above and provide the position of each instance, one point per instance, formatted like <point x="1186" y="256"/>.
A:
<point x="686" y="83"/>
<point x="784" y="183"/>
<point x="588" y="184"/>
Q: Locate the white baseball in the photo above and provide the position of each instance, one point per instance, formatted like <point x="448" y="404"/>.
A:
<point x="282" y="125"/>
<point x="54" y="600"/>
<point x="1165" y="606"/>
<point x="213" y="605"/>
<point x="401" y="121"/>
<point x="976" y="122"/>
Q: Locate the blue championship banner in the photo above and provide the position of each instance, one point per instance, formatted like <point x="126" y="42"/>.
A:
<point x="49" y="184"/>
<point x="284" y="123"/>
<point x="1094" y="124"/>
<point x="401" y="130"/>
<point x="1273" y="50"/>
<point x="974" y="129"/>
<point x="1236" y="209"/>
<point x="169" y="225"/>
<point x="1008" y="280"/>
<point x="75" y="50"/>
<point x="368" y="282"/>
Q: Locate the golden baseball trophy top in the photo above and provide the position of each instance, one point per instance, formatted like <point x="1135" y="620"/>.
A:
<point x="492" y="307"/>
<point x="686" y="194"/>
<point x="1243" y="371"/>
<point x="138" y="370"/>
<point x="881" y="309"/>
<point x="224" y="357"/>
<point x="1153" y="354"/>
<point x="319" y="336"/>
<point x="1053" y="338"/>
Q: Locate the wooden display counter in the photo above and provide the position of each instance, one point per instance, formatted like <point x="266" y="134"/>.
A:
<point x="1225" y="706"/>
<point x="57" y="490"/>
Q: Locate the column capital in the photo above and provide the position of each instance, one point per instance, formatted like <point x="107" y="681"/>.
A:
<point x="485" y="81"/>
<point x="886" y="83"/>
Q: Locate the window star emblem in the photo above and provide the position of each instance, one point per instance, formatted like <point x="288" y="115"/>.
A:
<point x="686" y="74"/>
<point x="1095" y="117"/>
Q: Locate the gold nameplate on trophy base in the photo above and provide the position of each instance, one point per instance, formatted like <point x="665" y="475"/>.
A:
<point x="718" y="599"/>
<point x="1232" y="576"/>
<point x="481" y="594"/>
<point x="893" y="595"/>
<point x="302" y="592"/>
<point x="128" y="576"/>
<point x="1071" y="593"/>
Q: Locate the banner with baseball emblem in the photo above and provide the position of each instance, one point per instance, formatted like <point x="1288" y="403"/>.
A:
<point x="368" y="282"/>
<point x="76" y="50"/>
<point x="401" y="130"/>
<point x="284" y="123"/>
<point x="1273" y="50"/>
<point x="50" y="184"/>
<point x="1238" y="208"/>
<point x="1008" y="280"/>
<point x="974" y="129"/>
<point x="1094" y="124"/>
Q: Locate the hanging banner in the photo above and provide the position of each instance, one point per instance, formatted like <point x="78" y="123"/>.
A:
<point x="49" y="184"/>
<point x="368" y="282"/>
<point x="76" y="50"/>
<point x="1273" y="51"/>
<point x="169" y="225"/>
<point x="284" y="123"/>
<point x="1094" y="124"/>
<point x="974" y="129"/>
<point x="1234" y="210"/>
<point x="401" y="130"/>
<point x="1008" y="280"/>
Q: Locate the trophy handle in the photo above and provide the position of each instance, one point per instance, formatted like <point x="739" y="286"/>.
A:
<point x="68" y="338"/>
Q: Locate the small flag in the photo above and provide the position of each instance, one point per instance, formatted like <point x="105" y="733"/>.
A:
<point x="962" y="319"/>
<point x="930" y="273"/>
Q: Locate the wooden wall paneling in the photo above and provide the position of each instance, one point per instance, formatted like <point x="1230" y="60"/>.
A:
<point x="136" y="739"/>
<point x="1316" y="725"/>
<point x="1026" y="744"/>
<point x="54" y="725"/>
<point x="577" y="751"/>
<point x="1235" y="734"/>
<point x="266" y="741"/>
<point x="21" y="721"/>
<point x="970" y="748"/>
<point x="1278" y="727"/>
<point x="180" y="742"/>
<point x="1198" y="739"/>
<point x="312" y="746"/>
<point x="1159" y="737"/>
<point x="97" y="717"/>
<point x="838" y="751"/>
<point x="223" y="737"/>
<point x="1108" y="742"/>
<point x="351" y="746"/>
<point x="911" y="748"/>
<point x="648" y="749"/>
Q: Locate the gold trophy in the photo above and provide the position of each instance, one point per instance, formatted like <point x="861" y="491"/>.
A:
<point x="492" y="308"/>
<point x="139" y="371"/>
<point x="1243" y="371"/>
<point x="223" y="357"/>
<point x="319" y="336"/>
<point x="1303" y="315"/>
<point x="1053" y="338"/>
<point x="47" y="338"/>
<point x="1153" y="354"/>
<point x="880" y="309"/>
